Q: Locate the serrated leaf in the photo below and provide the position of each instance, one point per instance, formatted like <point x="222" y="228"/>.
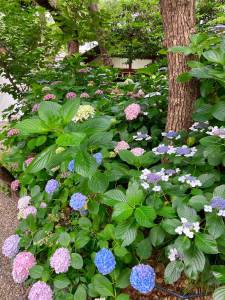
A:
<point x="69" y="109"/>
<point x="73" y="139"/>
<point x="61" y="282"/>
<point x="145" y="216"/>
<point x="31" y="126"/>
<point x="103" y="286"/>
<point x="98" y="183"/>
<point x="157" y="235"/>
<point x="80" y="293"/>
<point x="206" y="243"/>
<point x="114" y="196"/>
<point x="36" y="272"/>
<point x="173" y="271"/>
<point x="134" y="194"/>
<point x="64" y="239"/>
<point x="122" y="211"/>
<point x="219" y="293"/>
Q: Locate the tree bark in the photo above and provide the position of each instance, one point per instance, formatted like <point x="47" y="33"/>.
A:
<point x="73" y="47"/>
<point x="179" y="23"/>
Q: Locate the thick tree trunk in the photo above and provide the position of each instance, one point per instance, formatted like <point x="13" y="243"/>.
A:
<point x="179" y="23"/>
<point x="73" y="47"/>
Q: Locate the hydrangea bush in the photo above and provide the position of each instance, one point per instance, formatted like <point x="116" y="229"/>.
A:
<point x="107" y="189"/>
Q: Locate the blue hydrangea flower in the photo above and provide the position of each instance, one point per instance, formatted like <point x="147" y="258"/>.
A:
<point x="71" y="165"/>
<point x="142" y="278"/>
<point x="105" y="261"/>
<point x="171" y="135"/>
<point x="98" y="157"/>
<point x="153" y="177"/>
<point x="77" y="201"/>
<point x="51" y="186"/>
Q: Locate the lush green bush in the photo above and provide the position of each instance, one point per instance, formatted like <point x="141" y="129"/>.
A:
<point x="165" y="202"/>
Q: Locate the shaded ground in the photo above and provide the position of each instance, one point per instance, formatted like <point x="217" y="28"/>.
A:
<point x="8" y="222"/>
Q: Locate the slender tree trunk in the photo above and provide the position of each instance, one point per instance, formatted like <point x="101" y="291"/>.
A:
<point x="73" y="47"/>
<point x="179" y="23"/>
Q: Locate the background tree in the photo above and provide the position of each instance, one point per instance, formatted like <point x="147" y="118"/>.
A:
<point x="179" y="23"/>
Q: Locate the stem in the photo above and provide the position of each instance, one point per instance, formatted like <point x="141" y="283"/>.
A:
<point x="187" y="296"/>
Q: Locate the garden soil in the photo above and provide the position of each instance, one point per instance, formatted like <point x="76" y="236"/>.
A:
<point x="8" y="222"/>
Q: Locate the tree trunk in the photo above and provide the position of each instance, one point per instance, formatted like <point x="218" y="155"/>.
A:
<point x="73" y="47"/>
<point x="105" y="57"/>
<point x="179" y="23"/>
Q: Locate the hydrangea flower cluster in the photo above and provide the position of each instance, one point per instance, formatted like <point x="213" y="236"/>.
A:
<point x="11" y="246"/>
<point x="199" y="126"/>
<point x="71" y="165"/>
<point x="22" y="263"/>
<point x="49" y="97"/>
<point x="84" y="112"/>
<point x="216" y="131"/>
<point x="43" y="205"/>
<point x="99" y="92"/>
<point x="28" y="161"/>
<point x="105" y="261"/>
<point x="84" y="95"/>
<point x="187" y="228"/>
<point x="191" y="180"/>
<point x="217" y="204"/>
<point x="138" y="151"/>
<point x="141" y="136"/>
<point x="174" y="254"/>
<point x="132" y="111"/>
<point x="142" y="278"/>
<point x="23" y="202"/>
<point x="98" y="157"/>
<point x="171" y="135"/>
<point x="185" y="151"/>
<point x="35" y="107"/>
<point x="40" y="291"/>
<point x="122" y="145"/>
<point x="78" y="201"/>
<point x="60" y="261"/>
<point x="30" y="210"/>
<point x="163" y="149"/>
<point x="151" y="179"/>
<point x="13" y="132"/>
<point x="71" y="95"/>
<point x="51" y="186"/>
<point x="15" y="185"/>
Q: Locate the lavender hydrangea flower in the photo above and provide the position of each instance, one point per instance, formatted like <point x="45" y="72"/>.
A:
<point x="141" y="136"/>
<point x="216" y="131"/>
<point x="163" y="149"/>
<point x="40" y="291"/>
<point x="152" y="179"/>
<point x="51" y="186"/>
<point x="188" y="228"/>
<point x="98" y="157"/>
<point x="105" y="261"/>
<point x="142" y="278"/>
<point x="185" y="151"/>
<point x="23" y="202"/>
<point x="171" y="135"/>
<point x="199" y="126"/>
<point x="77" y="201"/>
<point x="71" y="165"/>
<point x="30" y="210"/>
<point x="60" y="260"/>
<point x="218" y="204"/>
<point x="191" y="180"/>
<point x="11" y="246"/>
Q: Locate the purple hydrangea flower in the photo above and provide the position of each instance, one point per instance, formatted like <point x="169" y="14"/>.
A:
<point x="11" y="246"/>
<point x="71" y="165"/>
<point x="163" y="149"/>
<point x="60" y="260"/>
<point x="71" y="95"/>
<point x="40" y="291"/>
<point x="98" y="157"/>
<point x="218" y="202"/>
<point x="185" y="151"/>
<point x="142" y="278"/>
<point x="51" y="186"/>
<point x="105" y="261"/>
<point x="171" y="135"/>
<point x="77" y="201"/>
<point x="153" y="177"/>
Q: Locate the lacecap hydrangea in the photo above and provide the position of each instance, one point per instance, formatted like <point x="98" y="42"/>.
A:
<point x="105" y="261"/>
<point x="142" y="278"/>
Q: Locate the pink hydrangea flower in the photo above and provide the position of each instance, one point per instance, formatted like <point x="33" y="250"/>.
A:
<point x="99" y="92"/>
<point x="132" y="111"/>
<point x="28" y="161"/>
<point x="35" y="107"/>
<point x="13" y="132"/>
<point x="15" y="185"/>
<point x="30" y="210"/>
<point x="122" y="145"/>
<point x="85" y="70"/>
<point x="49" y="97"/>
<point x="138" y="151"/>
<point x="84" y="95"/>
<point x="43" y="205"/>
<point x="11" y="246"/>
<point x="40" y="291"/>
<point x="15" y="117"/>
<point x="71" y="95"/>
<point x="23" y="202"/>
<point x="22" y="263"/>
<point x="60" y="260"/>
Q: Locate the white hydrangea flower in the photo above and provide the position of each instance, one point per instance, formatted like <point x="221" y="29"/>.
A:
<point x="191" y="180"/>
<point x="84" y="112"/>
<point x="141" y="136"/>
<point x="157" y="188"/>
<point x="221" y="213"/>
<point x="216" y="131"/>
<point x="187" y="228"/>
<point x="173" y="254"/>
<point x="207" y="208"/>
